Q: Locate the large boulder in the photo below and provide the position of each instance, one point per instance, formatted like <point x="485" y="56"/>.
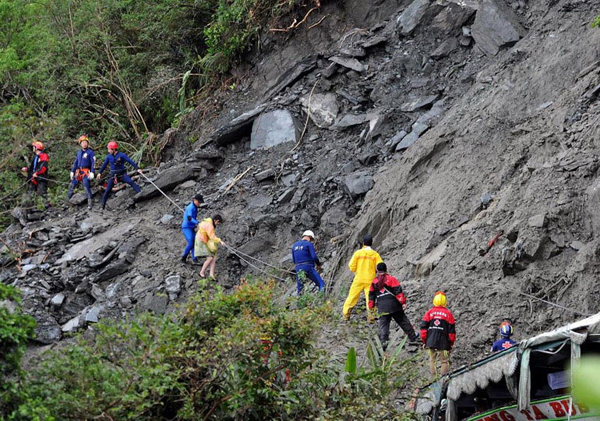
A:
<point x="495" y="26"/>
<point x="273" y="128"/>
<point x="452" y="18"/>
<point x="358" y="183"/>
<point x="412" y="16"/>
<point x="322" y="108"/>
<point x="166" y="180"/>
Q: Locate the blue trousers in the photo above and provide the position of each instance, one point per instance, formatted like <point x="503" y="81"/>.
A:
<point x="111" y="183"/>
<point x="86" y="184"/>
<point x="189" y="235"/>
<point x="312" y="274"/>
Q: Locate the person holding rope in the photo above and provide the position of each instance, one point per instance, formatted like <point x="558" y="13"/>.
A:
<point x="37" y="172"/>
<point x="117" y="161"/>
<point x="207" y="244"/>
<point x="83" y="169"/>
<point x="189" y="225"/>
<point x="305" y="259"/>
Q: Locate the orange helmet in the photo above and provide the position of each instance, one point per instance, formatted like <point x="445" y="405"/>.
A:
<point x="38" y="145"/>
<point x="112" y="145"/>
<point x="82" y="138"/>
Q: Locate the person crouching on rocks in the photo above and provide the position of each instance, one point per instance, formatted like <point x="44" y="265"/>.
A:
<point x="207" y="244"/>
<point x="189" y="225"/>
<point x="386" y="293"/>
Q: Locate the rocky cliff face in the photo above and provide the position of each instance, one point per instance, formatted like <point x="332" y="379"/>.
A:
<point x="433" y="125"/>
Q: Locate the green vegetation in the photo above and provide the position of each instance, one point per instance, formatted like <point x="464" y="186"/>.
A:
<point x="224" y="356"/>
<point x="114" y="69"/>
<point x="15" y="330"/>
<point x="596" y="22"/>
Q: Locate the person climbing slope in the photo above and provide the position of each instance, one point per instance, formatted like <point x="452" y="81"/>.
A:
<point x="362" y="264"/>
<point x="83" y="169"/>
<point x="189" y="225"/>
<point x="386" y="293"/>
<point x="438" y="334"/>
<point x="117" y="161"/>
<point x="207" y="244"/>
<point x="305" y="258"/>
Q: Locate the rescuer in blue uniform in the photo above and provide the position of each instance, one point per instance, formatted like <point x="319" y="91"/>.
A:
<point x="506" y="331"/>
<point x="83" y="169"/>
<point x="117" y="162"/>
<point x="188" y="226"/>
<point x="305" y="259"/>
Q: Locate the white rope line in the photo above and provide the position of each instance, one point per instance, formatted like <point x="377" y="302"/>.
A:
<point x="260" y="261"/>
<point x="163" y="193"/>
<point x="232" y="250"/>
<point x="554" y="304"/>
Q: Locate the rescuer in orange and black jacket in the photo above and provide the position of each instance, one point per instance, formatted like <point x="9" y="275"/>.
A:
<point x="438" y="333"/>
<point x="37" y="172"/>
<point x="386" y="293"/>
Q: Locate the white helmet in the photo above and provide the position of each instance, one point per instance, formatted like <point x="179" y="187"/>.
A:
<point x="308" y="233"/>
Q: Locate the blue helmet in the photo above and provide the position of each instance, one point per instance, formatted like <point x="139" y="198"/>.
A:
<point x="506" y="330"/>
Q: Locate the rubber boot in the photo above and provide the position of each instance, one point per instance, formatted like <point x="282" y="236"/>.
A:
<point x="70" y="192"/>
<point x="89" y="203"/>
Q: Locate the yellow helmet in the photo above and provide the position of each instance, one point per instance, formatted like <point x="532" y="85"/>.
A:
<point x="82" y="138"/>
<point x="439" y="300"/>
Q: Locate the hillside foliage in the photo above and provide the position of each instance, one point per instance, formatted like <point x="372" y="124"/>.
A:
<point x="223" y="356"/>
<point x="114" y="69"/>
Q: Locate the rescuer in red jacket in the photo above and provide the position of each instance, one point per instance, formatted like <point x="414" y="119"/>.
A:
<point x="438" y="334"/>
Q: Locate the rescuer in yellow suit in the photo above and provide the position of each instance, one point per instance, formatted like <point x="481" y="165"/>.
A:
<point x="363" y="264"/>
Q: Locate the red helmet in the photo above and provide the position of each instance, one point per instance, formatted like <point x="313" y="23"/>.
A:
<point x="82" y="138"/>
<point x="38" y="145"/>
<point x="112" y="145"/>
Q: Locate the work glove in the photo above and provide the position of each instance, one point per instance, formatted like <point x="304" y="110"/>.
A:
<point x="71" y="175"/>
<point x="91" y="176"/>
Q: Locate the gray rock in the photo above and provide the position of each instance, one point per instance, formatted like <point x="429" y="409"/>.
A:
<point x="10" y="306"/>
<point x="411" y="138"/>
<point x="265" y="175"/>
<point x="332" y="219"/>
<point x="113" y="289"/>
<point x="350" y="63"/>
<point x="286" y="196"/>
<point x="412" y="16"/>
<point x="236" y="128"/>
<point x="350" y="120"/>
<point x="38" y="259"/>
<point x="173" y="286"/>
<point x="353" y="51"/>
<point x="187" y="185"/>
<point x="322" y="108"/>
<point x="273" y="128"/>
<point x="256" y="245"/>
<point x="329" y="70"/>
<point x="495" y="26"/>
<point x="113" y="270"/>
<point x="166" y="219"/>
<point x="376" y="125"/>
<point x="128" y="249"/>
<point x="298" y="196"/>
<point x="350" y="167"/>
<point x="486" y="199"/>
<point x="157" y="303"/>
<point x="537" y="221"/>
<point x="453" y="17"/>
<point x="166" y="181"/>
<point x="577" y="245"/>
<point x="397" y="139"/>
<point x="78" y="199"/>
<point x="358" y="183"/>
<point x="305" y="65"/>
<point x="92" y="314"/>
<point x="373" y="41"/>
<point x="47" y="330"/>
<point x="72" y="325"/>
<point x="419" y="128"/>
<point x="418" y="103"/>
<point x="445" y="48"/>
<point x="98" y="292"/>
<point x="436" y="111"/>
<point x="58" y="300"/>
<point x="289" y="180"/>
<point x="259" y="201"/>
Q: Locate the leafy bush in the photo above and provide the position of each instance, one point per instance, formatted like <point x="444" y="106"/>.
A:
<point x="225" y="356"/>
<point x="596" y="22"/>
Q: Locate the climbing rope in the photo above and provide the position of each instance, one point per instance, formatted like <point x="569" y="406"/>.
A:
<point x="233" y="251"/>
<point x="260" y="261"/>
<point x="163" y="193"/>
<point x="553" y="304"/>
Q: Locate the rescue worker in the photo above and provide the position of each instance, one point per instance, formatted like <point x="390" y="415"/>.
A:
<point x="117" y="162"/>
<point x="305" y="258"/>
<point x="189" y="225"/>
<point x="506" y="331"/>
<point x="37" y="172"/>
<point x="207" y="244"/>
<point x="83" y="169"/>
<point x="362" y="264"/>
<point x="438" y="334"/>
<point x="386" y="293"/>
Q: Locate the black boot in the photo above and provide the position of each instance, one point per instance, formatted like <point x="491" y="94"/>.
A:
<point x="70" y="192"/>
